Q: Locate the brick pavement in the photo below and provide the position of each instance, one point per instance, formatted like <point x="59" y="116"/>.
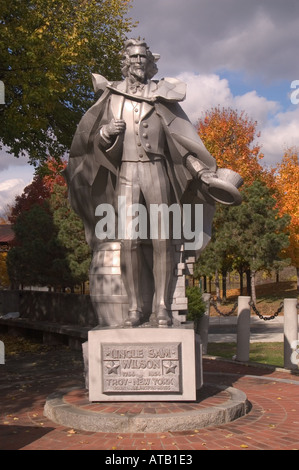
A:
<point x="26" y="380"/>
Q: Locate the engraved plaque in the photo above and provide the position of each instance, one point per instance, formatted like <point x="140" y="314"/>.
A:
<point x="139" y="368"/>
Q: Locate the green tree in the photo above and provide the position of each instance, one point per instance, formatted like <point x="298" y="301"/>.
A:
<point x="261" y="234"/>
<point x="250" y="236"/>
<point x="48" y="50"/>
<point x="70" y="235"/>
<point x="50" y="248"/>
<point x="37" y="259"/>
<point x="218" y="257"/>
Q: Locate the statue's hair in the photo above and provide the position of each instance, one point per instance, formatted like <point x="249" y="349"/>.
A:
<point x="152" y="68"/>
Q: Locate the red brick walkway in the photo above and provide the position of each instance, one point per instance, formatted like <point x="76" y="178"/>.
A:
<point x="25" y="382"/>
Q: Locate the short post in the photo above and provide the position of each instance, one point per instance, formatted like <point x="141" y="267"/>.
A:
<point x="290" y="333"/>
<point x="204" y="323"/>
<point x="243" y="329"/>
<point x="2" y="353"/>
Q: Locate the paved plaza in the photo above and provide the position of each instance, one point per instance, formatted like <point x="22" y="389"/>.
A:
<point x="28" y="379"/>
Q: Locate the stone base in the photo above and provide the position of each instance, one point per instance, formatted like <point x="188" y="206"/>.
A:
<point x="143" y="364"/>
<point x="216" y="405"/>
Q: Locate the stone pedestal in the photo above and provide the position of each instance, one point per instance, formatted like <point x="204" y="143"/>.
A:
<point x="143" y="364"/>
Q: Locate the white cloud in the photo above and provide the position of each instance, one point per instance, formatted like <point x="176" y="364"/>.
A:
<point x="9" y="185"/>
<point x="15" y="175"/>
<point x="207" y="91"/>
<point x="257" y="107"/>
<point x="278" y="129"/>
<point x="204" y="92"/>
<point x="9" y="189"/>
<point x="280" y="134"/>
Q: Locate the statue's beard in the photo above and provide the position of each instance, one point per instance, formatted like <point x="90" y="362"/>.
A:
<point x="138" y="74"/>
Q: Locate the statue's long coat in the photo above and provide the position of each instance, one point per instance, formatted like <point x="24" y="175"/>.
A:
<point x="92" y="173"/>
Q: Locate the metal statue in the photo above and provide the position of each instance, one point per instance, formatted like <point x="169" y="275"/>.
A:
<point x="136" y="146"/>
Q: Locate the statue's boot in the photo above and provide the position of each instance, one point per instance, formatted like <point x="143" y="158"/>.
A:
<point x="133" y="318"/>
<point x="163" y="318"/>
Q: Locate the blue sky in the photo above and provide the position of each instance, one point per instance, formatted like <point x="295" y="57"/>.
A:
<point x="233" y="53"/>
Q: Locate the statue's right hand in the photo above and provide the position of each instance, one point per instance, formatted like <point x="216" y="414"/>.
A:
<point x="115" y="127"/>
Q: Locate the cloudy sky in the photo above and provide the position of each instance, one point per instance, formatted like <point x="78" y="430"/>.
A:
<point x="233" y="53"/>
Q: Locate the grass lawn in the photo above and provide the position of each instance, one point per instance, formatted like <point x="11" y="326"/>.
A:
<point x="264" y="353"/>
<point x="269" y="297"/>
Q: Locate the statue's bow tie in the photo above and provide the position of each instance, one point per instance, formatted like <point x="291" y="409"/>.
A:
<point x="134" y="88"/>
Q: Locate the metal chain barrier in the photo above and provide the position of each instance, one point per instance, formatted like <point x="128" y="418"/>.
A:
<point x="254" y="308"/>
<point x="262" y="317"/>
<point x="227" y="314"/>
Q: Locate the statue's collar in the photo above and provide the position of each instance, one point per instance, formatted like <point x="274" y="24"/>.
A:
<point x="167" y="89"/>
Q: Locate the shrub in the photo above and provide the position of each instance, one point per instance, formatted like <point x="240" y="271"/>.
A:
<point x="196" y="304"/>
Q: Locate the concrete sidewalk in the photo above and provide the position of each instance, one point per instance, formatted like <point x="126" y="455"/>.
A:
<point x="28" y="379"/>
<point x="224" y="329"/>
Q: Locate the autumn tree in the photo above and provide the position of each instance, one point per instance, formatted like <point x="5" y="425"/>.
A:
<point x="287" y="184"/>
<point x="34" y="194"/>
<point x="4" y="277"/>
<point x="231" y="137"/>
<point x="48" y="51"/>
<point x="51" y="173"/>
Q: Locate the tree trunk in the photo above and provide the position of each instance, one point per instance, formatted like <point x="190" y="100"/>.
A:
<point x="210" y="284"/>
<point x="253" y="292"/>
<point x="224" y="286"/>
<point x="241" y="281"/>
<point x="297" y="269"/>
<point x="248" y="282"/>
<point x="217" y="285"/>
<point x="205" y="283"/>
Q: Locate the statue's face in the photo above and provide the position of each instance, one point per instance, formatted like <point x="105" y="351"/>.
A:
<point x="138" y="63"/>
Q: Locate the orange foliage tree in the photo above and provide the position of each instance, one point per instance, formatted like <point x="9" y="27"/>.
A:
<point x="287" y="185"/>
<point x="230" y="136"/>
<point x="52" y="173"/>
<point x="4" y="278"/>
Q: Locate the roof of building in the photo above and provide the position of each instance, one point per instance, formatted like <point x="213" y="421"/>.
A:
<point x="6" y="233"/>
